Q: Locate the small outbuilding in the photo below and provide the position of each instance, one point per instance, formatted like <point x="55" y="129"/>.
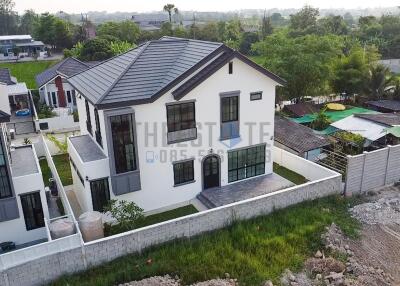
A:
<point x="298" y="139"/>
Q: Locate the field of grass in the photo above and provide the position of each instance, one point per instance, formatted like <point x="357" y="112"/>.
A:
<point x="26" y="71"/>
<point x="63" y="168"/>
<point x="289" y="174"/>
<point x="251" y="251"/>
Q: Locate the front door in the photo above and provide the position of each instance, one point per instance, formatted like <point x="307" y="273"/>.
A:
<point x="211" y="172"/>
<point x="100" y="194"/>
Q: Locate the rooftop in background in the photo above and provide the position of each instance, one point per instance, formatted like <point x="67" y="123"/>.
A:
<point x="5" y="76"/>
<point x="389" y="119"/>
<point x="366" y="128"/>
<point x="384" y="105"/>
<point x="297" y="137"/>
<point x="87" y="149"/>
<point x="15" y="37"/>
<point x="148" y="71"/>
<point x="17" y="89"/>
<point x="23" y="161"/>
<point x="334" y="115"/>
<point x="302" y="108"/>
<point x="66" y="68"/>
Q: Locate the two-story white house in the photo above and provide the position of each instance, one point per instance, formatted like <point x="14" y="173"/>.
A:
<point x="169" y="119"/>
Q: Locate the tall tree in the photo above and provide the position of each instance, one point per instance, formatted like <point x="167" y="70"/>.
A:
<point x="379" y="78"/>
<point x="170" y="8"/>
<point x="28" y="22"/>
<point x="305" y="21"/>
<point x="266" y="26"/>
<point x="8" y="18"/>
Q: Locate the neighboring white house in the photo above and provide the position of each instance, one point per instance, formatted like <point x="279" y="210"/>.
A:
<point x="23" y="206"/>
<point x="162" y="122"/>
<point x="53" y="87"/>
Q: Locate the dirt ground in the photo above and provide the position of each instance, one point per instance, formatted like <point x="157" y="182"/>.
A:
<point x="379" y="244"/>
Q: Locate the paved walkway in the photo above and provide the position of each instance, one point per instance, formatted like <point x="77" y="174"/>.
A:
<point x="73" y="201"/>
<point x="243" y="190"/>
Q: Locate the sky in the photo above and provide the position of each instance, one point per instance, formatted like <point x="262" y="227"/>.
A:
<point x="79" y="6"/>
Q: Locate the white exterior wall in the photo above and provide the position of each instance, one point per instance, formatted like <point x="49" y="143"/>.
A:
<point x="51" y="87"/>
<point x="16" y="230"/>
<point x="4" y="103"/>
<point x="157" y="179"/>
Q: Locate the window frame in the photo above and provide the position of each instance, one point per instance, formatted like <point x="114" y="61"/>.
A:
<point x="107" y="192"/>
<point x="257" y="95"/>
<point x="230" y="112"/>
<point x="230" y="68"/>
<point x="99" y="139"/>
<point x="186" y="172"/>
<point x="4" y="173"/>
<point x="178" y="110"/>
<point x="38" y="222"/>
<point x="133" y="164"/>
<point x="245" y="163"/>
<point x="88" y="118"/>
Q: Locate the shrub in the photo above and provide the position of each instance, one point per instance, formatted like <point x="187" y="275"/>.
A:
<point x="126" y="214"/>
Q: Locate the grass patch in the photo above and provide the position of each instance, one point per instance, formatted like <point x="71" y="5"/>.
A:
<point x="26" y="71"/>
<point x="258" y="59"/>
<point x="251" y="251"/>
<point x="289" y="174"/>
<point x="156" y="218"/>
<point x="46" y="172"/>
<point x="63" y="168"/>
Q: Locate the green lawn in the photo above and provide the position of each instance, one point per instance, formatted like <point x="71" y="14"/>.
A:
<point x="168" y="215"/>
<point x="63" y="168"/>
<point x="251" y="251"/>
<point x="46" y="172"/>
<point x="26" y="71"/>
<point x="153" y="219"/>
<point x="289" y="174"/>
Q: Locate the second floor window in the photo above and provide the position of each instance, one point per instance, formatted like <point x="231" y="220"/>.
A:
<point x="230" y="108"/>
<point x="88" y="120"/>
<point x="98" y="131"/>
<point x="181" y="116"/>
<point x="122" y="130"/>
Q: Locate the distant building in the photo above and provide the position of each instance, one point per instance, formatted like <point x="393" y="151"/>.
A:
<point x="150" y="22"/>
<point x="25" y="43"/>
<point x="392" y="64"/>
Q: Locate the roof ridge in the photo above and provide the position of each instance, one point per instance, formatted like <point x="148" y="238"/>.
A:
<point x="107" y="60"/>
<point x="145" y="45"/>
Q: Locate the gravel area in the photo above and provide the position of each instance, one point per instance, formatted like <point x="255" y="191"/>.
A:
<point x="169" y="281"/>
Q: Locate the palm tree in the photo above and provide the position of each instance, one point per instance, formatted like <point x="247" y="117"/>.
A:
<point x="379" y="79"/>
<point x="170" y="8"/>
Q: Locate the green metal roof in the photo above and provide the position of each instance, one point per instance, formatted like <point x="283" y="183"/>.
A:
<point x="334" y="115"/>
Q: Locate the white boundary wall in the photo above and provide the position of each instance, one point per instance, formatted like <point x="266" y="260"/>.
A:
<point x="372" y="169"/>
<point x="52" y="266"/>
<point x="58" y="124"/>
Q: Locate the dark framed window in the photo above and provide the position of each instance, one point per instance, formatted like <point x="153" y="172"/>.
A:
<point x="69" y="97"/>
<point x="98" y="131"/>
<point x="181" y="116"/>
<point x="73" y="97"/>
<point x="5" y="188"/>
<point x="54" y="98"/>
<point x="123" y="143"/>
<point x="256" y="95"/>
<point x="183" y="172"/>
<point x="246" y="163"/>
<point x="33" y="211"/>
<point x="230" y="68"/>
<point x="88" y="120"/>
<point x="230" y="108"/>
<point x="100" y="194"/>
<point x="44" y="126"/>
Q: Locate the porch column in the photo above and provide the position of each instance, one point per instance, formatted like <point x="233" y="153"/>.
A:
<point x="60" y="92"/>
